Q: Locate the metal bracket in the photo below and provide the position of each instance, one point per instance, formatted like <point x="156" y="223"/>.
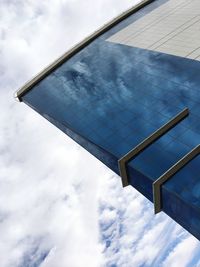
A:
<point x="147" y="142"/>
<point x="168" y="174"/>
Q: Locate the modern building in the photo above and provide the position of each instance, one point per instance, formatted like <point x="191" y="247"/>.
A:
<point x="130" y="95"/>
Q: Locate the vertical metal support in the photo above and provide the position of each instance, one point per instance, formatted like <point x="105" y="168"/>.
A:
<point x="168" y="174"/>
<point x="147" y="142"/>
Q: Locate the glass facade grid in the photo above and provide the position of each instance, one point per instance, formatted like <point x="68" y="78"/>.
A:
<point x="115" y="96"/>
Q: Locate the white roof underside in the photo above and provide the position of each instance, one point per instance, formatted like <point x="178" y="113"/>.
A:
<point x="172" y="28"/>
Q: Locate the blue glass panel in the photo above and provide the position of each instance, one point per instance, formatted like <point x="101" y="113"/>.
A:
<point x="190" y="138"/>
<point x="177" y="148"/>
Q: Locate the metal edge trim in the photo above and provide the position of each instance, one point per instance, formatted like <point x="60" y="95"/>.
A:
<point x="147" y="142"/>
<point x="30" y="84"/>
<point x="168" y="174"/>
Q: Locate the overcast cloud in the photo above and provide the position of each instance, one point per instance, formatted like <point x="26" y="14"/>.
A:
<point x="59" y="206"/>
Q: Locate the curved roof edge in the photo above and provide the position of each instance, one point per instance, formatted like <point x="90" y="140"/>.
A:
<point x="30" y="84"/>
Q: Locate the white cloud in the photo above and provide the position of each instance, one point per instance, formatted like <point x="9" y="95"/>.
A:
<point x="183" y="253"/>
<point x="51" y="203"/>
<point x="134" y="235"/>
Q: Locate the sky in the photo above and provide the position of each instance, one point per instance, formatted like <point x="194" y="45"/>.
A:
<point x="59" y="206"/>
